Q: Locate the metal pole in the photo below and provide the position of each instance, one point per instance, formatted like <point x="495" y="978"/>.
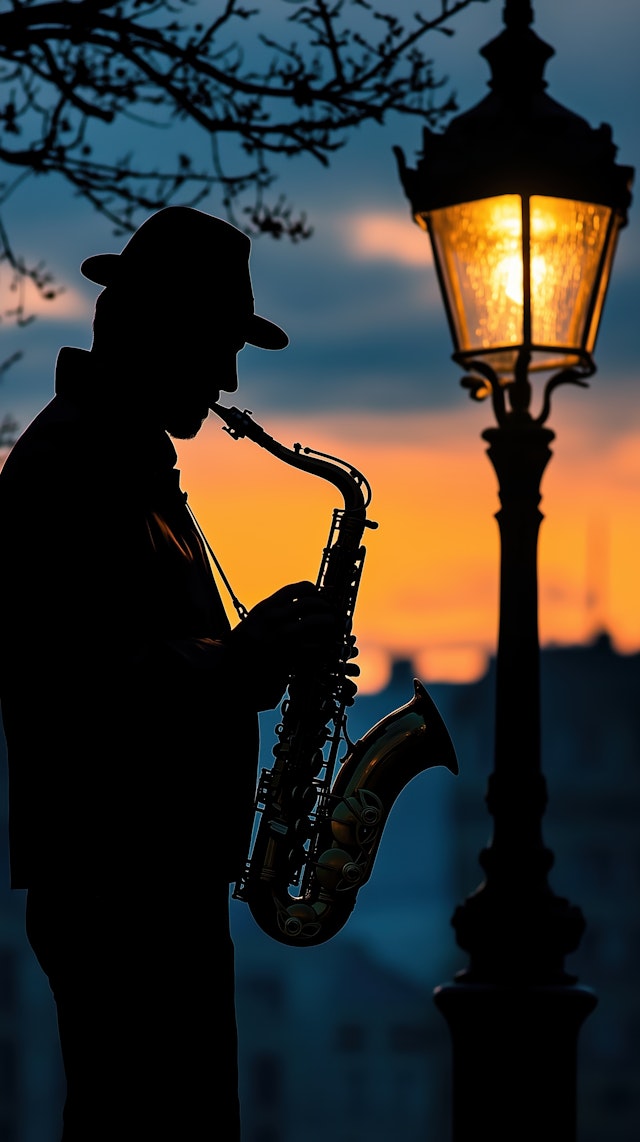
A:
<point x="514" y="1014"/>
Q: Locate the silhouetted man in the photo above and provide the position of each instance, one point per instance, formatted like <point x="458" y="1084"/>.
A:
<point x="129" y="704"/>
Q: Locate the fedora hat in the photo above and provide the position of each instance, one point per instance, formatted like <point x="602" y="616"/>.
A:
<point x="181" y="245"/>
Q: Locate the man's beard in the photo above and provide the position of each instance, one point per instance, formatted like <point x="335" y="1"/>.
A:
<point x="185" y="427"/>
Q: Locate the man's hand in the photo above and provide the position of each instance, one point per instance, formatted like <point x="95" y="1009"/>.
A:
<point x="293" y="627"/>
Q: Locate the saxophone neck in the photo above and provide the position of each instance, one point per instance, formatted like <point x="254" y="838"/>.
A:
<point x="355" y="488"/>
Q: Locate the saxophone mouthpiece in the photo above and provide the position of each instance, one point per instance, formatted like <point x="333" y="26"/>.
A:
<point x="236" y="422"/>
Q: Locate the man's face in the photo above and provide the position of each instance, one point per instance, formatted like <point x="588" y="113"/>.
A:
<point x="192" y="372"/>
<point x="177" y="354"/>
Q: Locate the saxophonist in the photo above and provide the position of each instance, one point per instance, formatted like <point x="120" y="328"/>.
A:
<point x="129" y="702"/>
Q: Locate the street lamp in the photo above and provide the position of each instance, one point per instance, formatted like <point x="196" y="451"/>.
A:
<point x="523" y="202"/>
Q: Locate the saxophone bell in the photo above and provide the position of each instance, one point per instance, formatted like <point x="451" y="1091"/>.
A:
<point x="347" y="834"/>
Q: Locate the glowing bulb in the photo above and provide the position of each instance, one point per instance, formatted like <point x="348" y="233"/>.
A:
<point x="510" y="272"/>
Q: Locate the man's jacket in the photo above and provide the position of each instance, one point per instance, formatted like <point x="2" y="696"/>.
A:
<point x="132" y="732"/>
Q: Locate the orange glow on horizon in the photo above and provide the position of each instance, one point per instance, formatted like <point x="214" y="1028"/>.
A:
<point x="430" y="584"/>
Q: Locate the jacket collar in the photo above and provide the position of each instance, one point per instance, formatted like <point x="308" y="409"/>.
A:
<point x="80" y="380"/>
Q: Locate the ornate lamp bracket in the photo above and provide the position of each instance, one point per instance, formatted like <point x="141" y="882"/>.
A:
<point x="488" y="383"/>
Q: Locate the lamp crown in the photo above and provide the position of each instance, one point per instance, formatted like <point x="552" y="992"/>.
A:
<point x="517" y="139"/>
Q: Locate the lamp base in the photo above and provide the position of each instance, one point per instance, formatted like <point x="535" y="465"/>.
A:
<point x="514" y="1059"/>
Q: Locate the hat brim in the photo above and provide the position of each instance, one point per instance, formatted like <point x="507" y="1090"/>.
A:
<point x="259" y="331"/>
<point x="265" y="334"/>
<point x="100" y="268"/>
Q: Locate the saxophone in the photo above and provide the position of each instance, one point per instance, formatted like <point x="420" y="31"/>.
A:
<point x="313" y="831"/>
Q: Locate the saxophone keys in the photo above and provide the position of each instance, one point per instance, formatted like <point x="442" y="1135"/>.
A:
<point x="299" y="920"/>
<point x="354" y="817"/>
<point x="304" y="797"/>
<point x="337" y="870"/>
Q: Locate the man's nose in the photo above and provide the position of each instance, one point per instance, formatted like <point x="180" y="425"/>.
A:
<point x="229" y="380"/>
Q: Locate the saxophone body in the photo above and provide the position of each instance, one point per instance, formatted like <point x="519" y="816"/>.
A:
<point x="322" y="807"/>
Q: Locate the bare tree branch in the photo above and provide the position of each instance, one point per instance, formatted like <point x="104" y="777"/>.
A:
<point x="274" y="80"/>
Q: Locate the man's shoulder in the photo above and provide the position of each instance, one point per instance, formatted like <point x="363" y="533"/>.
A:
<point x="44" y="442"/>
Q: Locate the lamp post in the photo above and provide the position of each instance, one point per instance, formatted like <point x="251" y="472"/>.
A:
<point x="523" y="203"/>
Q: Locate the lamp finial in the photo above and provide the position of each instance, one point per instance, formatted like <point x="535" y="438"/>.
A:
<point x="517" y="13"/>
<point x="517" y="56"/>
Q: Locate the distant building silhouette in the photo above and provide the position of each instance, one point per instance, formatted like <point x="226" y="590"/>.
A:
<point x="335" y="1045"/>
<point x="31" y="1076"/>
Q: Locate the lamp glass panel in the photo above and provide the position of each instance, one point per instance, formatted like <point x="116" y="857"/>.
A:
<point x="567" y="242"/>
<point x="591" y="332"/>
<point x="478" y="248"/>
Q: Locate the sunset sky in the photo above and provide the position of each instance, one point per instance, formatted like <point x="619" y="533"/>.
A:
<point x="368" y="377"/>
